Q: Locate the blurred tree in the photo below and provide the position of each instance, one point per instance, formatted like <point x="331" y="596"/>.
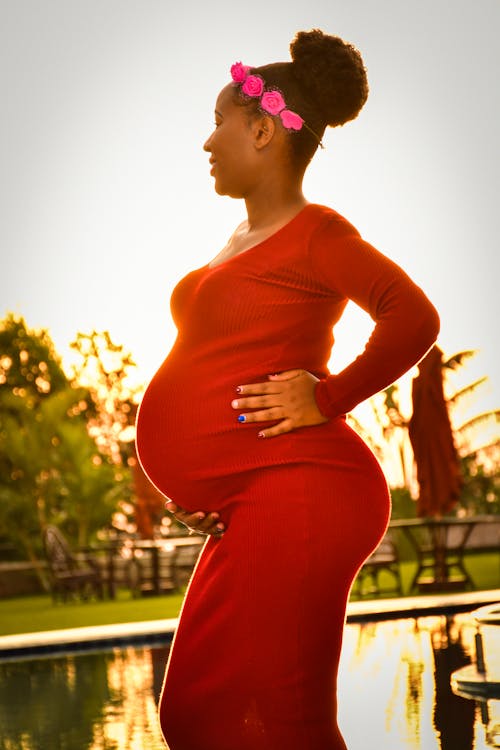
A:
<point x="28" y="360"/>
<point x="51" y="469"/>
<point x="51" y="472"/>
<point x="481" y="492"/>
<point x="104" y="368"/>
<point x="390" y="442"/>
<point x="403" y="505"/>
<point x="386" y="432"/>
<point x="478" y="445"/>
<point x="394" y="427"/>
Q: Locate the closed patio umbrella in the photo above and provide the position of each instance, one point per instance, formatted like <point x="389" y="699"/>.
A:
<point x="438" y="469"/>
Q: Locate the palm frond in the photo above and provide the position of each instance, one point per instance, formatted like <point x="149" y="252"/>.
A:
<point x="490" y="451"/>
<point x="467" y="390"/>
<point x="363" y="433"/>
<point x="493" y="415"/>
<point x="457" y="360"/>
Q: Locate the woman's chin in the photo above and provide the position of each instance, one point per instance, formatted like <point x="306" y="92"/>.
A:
<point x="221" y="189"/>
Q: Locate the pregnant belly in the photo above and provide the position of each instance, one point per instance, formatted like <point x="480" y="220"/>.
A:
<point x="192" y="447"/>
<point x="187" y="431"/>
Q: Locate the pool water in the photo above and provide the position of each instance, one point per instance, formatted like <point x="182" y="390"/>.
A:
<point x="394" y="693"/>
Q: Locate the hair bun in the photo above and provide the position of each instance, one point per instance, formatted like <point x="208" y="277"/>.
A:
<point x="331" y="73"/>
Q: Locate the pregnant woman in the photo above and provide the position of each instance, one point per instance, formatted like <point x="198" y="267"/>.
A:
<point x="243" y="427"/>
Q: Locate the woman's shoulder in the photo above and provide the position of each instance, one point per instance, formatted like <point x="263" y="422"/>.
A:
<point x="320" y="217"/>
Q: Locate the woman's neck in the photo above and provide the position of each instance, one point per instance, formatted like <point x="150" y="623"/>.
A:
<point x="270" y="208"/>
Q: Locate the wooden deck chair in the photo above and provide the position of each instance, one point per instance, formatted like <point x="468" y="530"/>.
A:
<point x="70" y="574"/>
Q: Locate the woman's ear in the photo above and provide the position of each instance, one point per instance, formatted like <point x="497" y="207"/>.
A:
<point x="263" y="129"/>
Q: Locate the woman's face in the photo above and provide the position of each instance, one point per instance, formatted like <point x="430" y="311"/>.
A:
<point x="231" y="147"/>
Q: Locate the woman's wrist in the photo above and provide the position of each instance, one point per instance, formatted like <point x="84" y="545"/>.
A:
<point x="322" y="398"/>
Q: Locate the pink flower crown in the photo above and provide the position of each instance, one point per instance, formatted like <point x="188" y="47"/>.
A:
<point x="271" y="99"/>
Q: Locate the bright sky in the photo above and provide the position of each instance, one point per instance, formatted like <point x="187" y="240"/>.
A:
<point x="105" y="194"/>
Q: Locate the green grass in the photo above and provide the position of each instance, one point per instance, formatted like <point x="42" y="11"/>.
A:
<point x="483" y="568"/>
<point x="29" y="614"/>
<point x="38" y="613"/>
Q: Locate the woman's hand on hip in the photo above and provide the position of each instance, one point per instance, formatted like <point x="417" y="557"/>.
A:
<point x="287" y="396"/>
<point x="199" y="521"/>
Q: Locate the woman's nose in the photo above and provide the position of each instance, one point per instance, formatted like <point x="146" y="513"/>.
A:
<point x="206" y="145"/>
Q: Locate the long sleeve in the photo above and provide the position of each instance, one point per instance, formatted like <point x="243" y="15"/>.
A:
<point x="406" y="323"/>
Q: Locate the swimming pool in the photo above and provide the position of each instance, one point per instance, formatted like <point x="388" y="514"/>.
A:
<point x="394" y="693"/>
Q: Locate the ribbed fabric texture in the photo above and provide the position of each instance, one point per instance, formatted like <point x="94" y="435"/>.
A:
<point x="255" y="657"/>
<point x="270" y="309"/>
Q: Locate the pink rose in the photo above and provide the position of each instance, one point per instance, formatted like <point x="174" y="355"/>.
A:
<point x="272" y="102"/>
<point x="253" y="86"/>
<point x="239" y="72"/>
<point x="291" y="120"/>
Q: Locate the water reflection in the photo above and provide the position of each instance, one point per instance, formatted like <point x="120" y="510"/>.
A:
<point x="386" y="686"/>
<point x="453" y="715"/>
<point x="487" y="662"/>
<point x="394" y="693"/>
<point x="102" y="701"/>
<point x="394" y="686"/>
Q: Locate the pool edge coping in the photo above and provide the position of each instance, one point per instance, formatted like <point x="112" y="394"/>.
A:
<point x="147" y="631"/>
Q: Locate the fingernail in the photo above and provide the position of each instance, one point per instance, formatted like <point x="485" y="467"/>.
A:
<point x="234" y="403"/>
<point x="239" y="389"/>
<point x="261" y="435"/>
<point x="241" y="418"/>
<point x="200" y="516"/>
<point x="220" y="526"/>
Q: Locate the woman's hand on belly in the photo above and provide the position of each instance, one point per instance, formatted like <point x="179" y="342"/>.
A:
<point x="199" y="521"/>
<point x="288" y="397"/>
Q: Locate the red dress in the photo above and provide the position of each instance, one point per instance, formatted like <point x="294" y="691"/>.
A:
<point x="255" y="656"/>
